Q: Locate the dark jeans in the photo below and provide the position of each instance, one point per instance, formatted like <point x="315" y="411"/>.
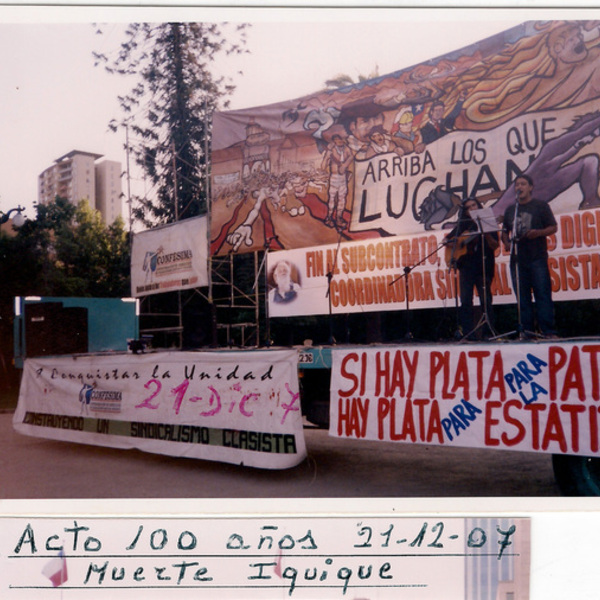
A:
<point x="534" y="277"/>
<point x="471" y="277"/>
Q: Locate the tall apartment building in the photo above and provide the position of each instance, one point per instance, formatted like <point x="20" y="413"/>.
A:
<point x="109" y="200"/>
<point x="79" y="176"/>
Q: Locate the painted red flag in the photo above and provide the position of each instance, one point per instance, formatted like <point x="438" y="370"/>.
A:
<point x="56" y="569"/>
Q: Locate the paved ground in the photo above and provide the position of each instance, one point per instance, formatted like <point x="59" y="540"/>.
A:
<point x="32" y="468"/>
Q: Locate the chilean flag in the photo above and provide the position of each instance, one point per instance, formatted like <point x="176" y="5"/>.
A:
<point x="56" y="569"/>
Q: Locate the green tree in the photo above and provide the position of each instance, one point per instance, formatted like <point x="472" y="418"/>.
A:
<point x="66" y="251"/>
<point x="169" y="107"/>
<point x="94" y="258"/>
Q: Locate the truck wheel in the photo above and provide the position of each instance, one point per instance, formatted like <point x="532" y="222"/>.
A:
<point x="314" y="394"/>
<point x="577" y="475"/>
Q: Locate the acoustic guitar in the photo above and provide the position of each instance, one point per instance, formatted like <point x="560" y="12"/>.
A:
<point x="457" y="247"/>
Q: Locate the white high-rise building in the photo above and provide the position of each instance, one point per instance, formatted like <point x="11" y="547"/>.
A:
<point x="109" y="200"/>
<point x="78" y="176"/>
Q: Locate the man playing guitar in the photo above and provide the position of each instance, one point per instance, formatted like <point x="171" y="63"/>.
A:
<point x="472" y="253"/>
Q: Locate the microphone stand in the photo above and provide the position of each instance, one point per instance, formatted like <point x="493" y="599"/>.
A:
<point x="269" y="341"/>
<point x="407" y="271"/>
<point x="484" y="319"/>
<point x="514" y="256"/>
<point x="453" y="266"/>
<point x="455" y="282"/>
<point x="330" y="275"/>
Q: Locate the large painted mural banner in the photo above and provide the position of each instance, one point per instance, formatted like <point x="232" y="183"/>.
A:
<point x="529" y="397"/>
<point x="233" y="407"/>
<point x="396" y="155"/>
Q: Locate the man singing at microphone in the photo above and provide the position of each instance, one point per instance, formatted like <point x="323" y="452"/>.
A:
<point x="526" y="226"/>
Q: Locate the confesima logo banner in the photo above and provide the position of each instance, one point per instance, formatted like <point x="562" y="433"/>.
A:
<point x="171" y="257"/>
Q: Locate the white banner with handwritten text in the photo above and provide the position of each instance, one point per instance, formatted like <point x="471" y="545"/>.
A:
<point x="228" y="406"/>
<point x="260" y="557"/>
<point x="535" y="397"/>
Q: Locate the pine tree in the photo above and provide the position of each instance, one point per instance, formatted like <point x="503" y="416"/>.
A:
<point x="169" y="110"/>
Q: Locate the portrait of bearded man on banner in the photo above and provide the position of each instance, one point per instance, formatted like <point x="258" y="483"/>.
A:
<point x="284" y="283"/>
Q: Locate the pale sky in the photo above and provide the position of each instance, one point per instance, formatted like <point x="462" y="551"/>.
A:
<point x="54" y="100"/>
